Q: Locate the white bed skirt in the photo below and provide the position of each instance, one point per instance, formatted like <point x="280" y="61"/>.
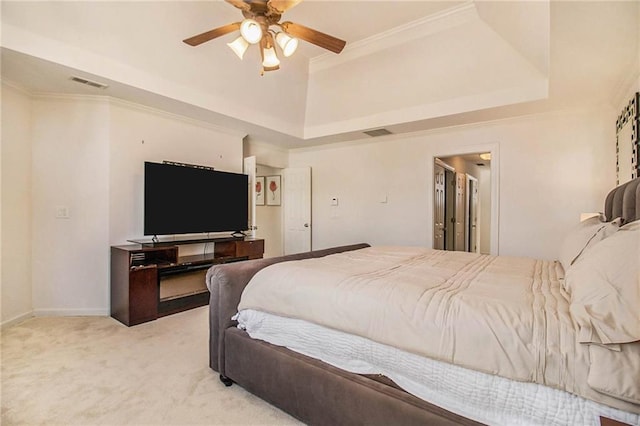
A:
<point x="479" y="396"/>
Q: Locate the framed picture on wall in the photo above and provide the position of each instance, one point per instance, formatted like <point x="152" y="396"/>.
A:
<point x="628" y="141"/>
<point x="272" y="190"/>
<point x="259" y="190"/>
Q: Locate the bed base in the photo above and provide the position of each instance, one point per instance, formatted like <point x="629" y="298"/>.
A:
<point x="319" y="394"/>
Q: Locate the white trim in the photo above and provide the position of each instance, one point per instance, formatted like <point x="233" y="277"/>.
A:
<point x="44" y="96"/>
<point x="413" y="30"/>
<point x="71" y="312"/>
<point x="444" y="165"/>
<point x="16" y="86"/>
<point x="361" y="139"/>
<point x="16" y="320"/>
<point x="530" y="91"/>
<point x="178" y="117"/>
<point x="263" y="144"/>
<point x="626" y="88"/>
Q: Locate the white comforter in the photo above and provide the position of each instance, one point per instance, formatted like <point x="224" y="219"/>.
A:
<point x="499" y="315"/>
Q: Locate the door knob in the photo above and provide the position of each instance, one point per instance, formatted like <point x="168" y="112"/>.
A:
<point x="306" y="225"/>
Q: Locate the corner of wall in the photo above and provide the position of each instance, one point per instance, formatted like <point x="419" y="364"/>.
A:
<point x="16" y="320"/>
<point x="266" y="154"/>
<point x="16" y="212"/>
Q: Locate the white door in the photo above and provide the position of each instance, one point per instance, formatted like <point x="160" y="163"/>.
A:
<point x="250" y="170"/>
<point x="460" y="213"/>
<point x="297" y="209"/>
<point x="472" y="221"/>
<point x="438" y="207"/>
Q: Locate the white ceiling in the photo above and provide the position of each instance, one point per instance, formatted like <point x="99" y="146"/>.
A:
<point x="408" y="66"/>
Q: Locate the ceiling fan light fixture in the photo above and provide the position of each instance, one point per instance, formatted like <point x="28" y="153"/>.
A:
<point x="239" y="46"/>
<point x="251" y="31"/>
<point x="270" y="59"/>
<point x="287" y="43"/>
<point x="255" y="28"/>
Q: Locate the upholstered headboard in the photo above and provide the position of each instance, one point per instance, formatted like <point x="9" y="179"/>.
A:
<point x="624" y="202"/>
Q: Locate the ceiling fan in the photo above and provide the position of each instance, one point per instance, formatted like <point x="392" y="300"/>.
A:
<point x="259" y="16"/>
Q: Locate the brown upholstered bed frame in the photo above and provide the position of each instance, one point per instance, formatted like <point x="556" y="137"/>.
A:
<point x="310" y="390"/>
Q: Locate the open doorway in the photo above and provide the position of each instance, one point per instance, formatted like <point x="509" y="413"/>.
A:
<point x="462" y="203"/>
<point x="269" y="222"/>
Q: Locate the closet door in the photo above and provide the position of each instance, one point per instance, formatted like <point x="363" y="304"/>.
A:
<point x="460" y="212"/>
<point x="439" y="225"/>
<point x="472" y="222"/>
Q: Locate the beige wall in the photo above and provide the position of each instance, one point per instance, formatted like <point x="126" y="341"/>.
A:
<point x="70" y="169"/>
<point x="551" y="168"/>
<point x="16" y="292"/>
<point x="140" y="134"/>
<point x="83" y="153"/>
<point x="87" y="155"/>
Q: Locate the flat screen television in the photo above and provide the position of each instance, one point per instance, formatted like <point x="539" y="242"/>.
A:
<point x="182" y="199"/>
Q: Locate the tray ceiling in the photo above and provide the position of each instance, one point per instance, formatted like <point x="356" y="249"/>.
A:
<point x="408" y="66"/>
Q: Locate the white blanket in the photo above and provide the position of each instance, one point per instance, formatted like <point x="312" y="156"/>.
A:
<point x="499" y="315"/>
<point x="486" y="398"/>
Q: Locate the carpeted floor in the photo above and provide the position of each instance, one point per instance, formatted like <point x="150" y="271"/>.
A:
<point x="96" y="371"/>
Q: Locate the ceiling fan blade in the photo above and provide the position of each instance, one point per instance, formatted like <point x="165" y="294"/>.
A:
<point x="210" y="35"/>
<point x="240" y="4"/>
<point x="280" y="6"/>
<point x="314" y="37"/>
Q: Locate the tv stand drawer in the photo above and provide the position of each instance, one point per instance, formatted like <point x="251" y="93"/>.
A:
<point x="253" y="249"/>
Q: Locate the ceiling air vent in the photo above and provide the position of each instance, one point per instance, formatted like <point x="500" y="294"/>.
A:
<point x="377" y="132"/>
<point x="89" y="82"/>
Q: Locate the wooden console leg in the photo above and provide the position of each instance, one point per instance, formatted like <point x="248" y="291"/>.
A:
<point x="227" y="381"/>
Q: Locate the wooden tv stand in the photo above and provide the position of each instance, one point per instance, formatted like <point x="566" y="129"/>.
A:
<point x="138" y="272"/>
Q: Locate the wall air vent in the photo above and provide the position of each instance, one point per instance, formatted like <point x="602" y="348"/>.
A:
<point x="89" y="82"/>
<point x="377" y="132"/>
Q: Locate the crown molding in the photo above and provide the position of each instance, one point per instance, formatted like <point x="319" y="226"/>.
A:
<point x="109" y="100"/>
<point x="413" y="30"/>
<point x="173" y="116"/>
<point x="16" y="86"/>
<point x="626" y="88"/>
<point x="68" y="97"/>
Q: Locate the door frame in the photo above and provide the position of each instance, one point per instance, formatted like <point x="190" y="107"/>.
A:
<point x="494" y="149"/>
<point x="249" y="165"/>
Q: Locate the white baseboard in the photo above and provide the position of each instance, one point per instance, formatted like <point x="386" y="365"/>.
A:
<point x="16" y="320"/>
<point x="71" y="312"/>
<point x="55" y="313"/>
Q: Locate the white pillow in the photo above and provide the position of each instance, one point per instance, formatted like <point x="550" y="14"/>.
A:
<point x="583" y="236"/>
<point x="605" y="289"/>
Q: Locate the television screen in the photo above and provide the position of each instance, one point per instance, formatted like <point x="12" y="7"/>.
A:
<point x="182" y="199"/>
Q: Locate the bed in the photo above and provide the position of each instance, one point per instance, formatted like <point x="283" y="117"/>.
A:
<point x="406" y="335"/>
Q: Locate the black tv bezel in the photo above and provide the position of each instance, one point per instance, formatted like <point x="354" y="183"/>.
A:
<point x="183" y="229"/>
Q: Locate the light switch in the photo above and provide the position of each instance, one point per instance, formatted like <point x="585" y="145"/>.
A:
<point x="334" y="201"/>
<point x="62" y="212"/>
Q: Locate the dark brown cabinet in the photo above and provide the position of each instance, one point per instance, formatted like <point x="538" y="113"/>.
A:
<point x="251" y="249"/>
<point x="150" y="281"/>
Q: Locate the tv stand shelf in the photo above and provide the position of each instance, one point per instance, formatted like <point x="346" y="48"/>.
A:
<point x="151" y="281"/>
